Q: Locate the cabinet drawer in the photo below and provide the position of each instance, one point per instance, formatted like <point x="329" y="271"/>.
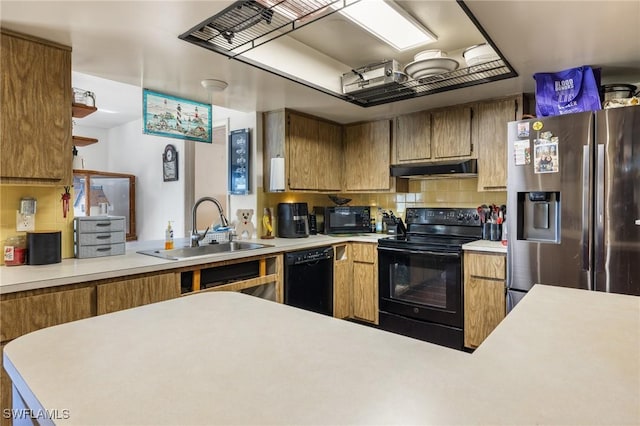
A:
<point x="107" y="224"/>
<point x="363" y="252"/>
<point x="102" y="238"/>
<point x="485" y="265"/>
<point x="99" y="251"/>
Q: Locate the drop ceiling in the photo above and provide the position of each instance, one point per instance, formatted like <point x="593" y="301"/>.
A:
<point x="136" y="43"/>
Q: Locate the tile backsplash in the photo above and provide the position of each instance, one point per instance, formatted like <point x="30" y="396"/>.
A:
<point x="48" y="215"/>
<point x="444" y="192"/>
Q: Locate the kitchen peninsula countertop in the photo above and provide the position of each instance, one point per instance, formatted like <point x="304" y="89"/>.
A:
<point x="562" y="356"/>
<point x="71" y="271"/>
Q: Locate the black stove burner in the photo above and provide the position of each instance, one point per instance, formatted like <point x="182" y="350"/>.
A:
<point x="437" y="229"/>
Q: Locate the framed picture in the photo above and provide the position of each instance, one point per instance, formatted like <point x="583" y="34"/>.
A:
<point x="172" y="117"/>
<point x="170" y="164"/>
<point x="239" y="162"/>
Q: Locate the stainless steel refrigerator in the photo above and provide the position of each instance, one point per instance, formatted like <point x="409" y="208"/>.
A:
<point x="573" y="197"/>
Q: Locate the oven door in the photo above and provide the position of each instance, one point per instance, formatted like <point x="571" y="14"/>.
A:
<point x="421" y="284"/>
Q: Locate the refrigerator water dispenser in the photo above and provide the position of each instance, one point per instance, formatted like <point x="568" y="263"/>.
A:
<point x="539" y="216"/>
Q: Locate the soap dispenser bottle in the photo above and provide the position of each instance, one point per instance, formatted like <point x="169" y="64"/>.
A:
<point x="168" y="237"/>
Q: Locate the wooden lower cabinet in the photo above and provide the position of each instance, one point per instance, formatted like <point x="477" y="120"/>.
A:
<point x="6" y="401"/>
<point x="22" y="315"/>
<point x="484" y="295"/>
<point x="24" y="312"/>
<point x="356" y="282"/>
<point x="342" y="279"/>
<point x="125" y="294"/>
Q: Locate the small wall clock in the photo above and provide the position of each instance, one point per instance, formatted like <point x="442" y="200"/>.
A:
<point x="170" y="163"/>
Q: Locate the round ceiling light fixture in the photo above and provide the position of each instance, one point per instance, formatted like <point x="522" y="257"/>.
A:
<point x="213" y="85"/>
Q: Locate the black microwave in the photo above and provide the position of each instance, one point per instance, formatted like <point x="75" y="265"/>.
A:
<point x="347" y="219"/>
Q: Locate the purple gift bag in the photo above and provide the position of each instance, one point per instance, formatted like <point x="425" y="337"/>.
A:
<point x="568" y="91"/>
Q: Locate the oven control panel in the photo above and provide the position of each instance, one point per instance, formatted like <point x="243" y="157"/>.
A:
<point x="443" y="216"/>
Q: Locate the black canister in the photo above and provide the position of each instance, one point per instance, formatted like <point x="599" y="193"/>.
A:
<point x="44" y="247"/>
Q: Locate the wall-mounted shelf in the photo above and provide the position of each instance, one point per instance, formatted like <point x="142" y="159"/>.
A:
<point x="80" y="110"/>
<point x="82" y="141"/>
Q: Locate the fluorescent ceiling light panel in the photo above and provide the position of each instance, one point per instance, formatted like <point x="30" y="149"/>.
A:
<point x="390" y="23"/>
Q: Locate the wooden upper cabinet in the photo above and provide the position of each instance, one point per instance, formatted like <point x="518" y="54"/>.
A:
<point x="492" y="118"/>
<point x="330" y="161"/>
<point x="413" y="137"/>
<point x="367" y="156"/>
<point x="311" y="147"/>
<point x="451" y="132"/>
<point x="35" y="105"/>
<point x="303" y="151"/>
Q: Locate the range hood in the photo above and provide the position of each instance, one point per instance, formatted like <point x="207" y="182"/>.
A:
<point x="467" y="168"/>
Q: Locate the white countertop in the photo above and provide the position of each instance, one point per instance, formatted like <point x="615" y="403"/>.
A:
<point x="486" y="245"/>
<point x="71" y="271"/>
<point x="562" y="356"/>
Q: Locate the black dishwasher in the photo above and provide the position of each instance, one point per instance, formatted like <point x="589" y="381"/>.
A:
<point x="308" y="280"/>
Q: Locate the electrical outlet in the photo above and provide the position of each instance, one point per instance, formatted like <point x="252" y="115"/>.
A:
<point x="25" y="222"/>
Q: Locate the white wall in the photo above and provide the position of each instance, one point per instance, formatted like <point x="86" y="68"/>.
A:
<point x="157" y="202"/>
<point x="95" y="155"/>
<point x="125" y="149"/>
<point x="239" y="120"/>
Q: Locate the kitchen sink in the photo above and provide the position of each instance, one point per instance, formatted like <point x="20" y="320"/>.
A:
<point x="205" y="250"/>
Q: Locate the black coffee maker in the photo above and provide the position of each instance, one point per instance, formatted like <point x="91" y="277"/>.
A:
<point x="293" y="220"/>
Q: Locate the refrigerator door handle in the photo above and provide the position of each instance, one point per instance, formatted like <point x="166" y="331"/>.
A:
<point x="585" y="207"/>
<point x="599" y="212"/>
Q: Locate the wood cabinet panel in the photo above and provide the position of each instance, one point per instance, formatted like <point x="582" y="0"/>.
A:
<point x="413" y="137"/>
<point x="303" y="151"/>
<point x="342" y="278"/>
<point x="451" y="132"/>
<point x="5" y="391"/>
<point x="367" y="150"/>
<point x="485" y="265"/>
<point x="119" y="295"/>
<point x="23" y="315"/>
<point x="484" y="307"/>
<point x="35" y="105"/>
<point x="365" y="281"/>
<point x="492" y="118"/>
<point x="311" y="147"/>
<point x="364" y="252"/>
<point x="365" y="292"/>
<point x="329" y="161"/>
<point x="484" y="295"/>
<point x="274" y="142"/>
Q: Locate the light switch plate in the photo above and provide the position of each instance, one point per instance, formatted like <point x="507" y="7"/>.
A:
<point x="25" y="222"/>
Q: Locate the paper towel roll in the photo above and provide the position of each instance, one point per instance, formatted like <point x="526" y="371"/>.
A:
<point x="277" y="174"/>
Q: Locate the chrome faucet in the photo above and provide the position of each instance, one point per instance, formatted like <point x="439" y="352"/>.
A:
<point x="195" y="237"/>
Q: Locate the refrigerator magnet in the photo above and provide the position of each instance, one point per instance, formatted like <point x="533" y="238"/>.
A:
<point x="546" y="158"/>
<point x="537" y="125"/>
<point x="523" y="129"/>
<point x="522" y="152"/>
